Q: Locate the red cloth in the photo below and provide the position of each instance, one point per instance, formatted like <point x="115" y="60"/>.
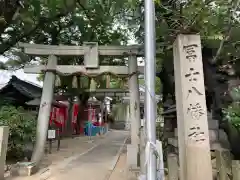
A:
<point x="58" y="116"/>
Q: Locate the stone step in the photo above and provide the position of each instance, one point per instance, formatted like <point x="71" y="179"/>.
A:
<point x="23" y="169"/>
<point x="209" y="115"/>
<point x="213" y="124"/>
<point x="213" y="144"/>
<point x="119" y="125"/>
<point x="223" y="139"/>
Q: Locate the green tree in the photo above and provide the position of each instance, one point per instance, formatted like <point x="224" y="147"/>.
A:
<point x="22" y="132"/>
<point x="68" y="22"/>
<point x="111" y="22"/>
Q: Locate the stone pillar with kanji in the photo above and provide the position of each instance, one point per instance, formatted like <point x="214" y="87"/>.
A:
<point x="193" y="135"/>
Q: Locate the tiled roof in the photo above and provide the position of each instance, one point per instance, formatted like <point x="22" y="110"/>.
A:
<point x="2" y="85"/>
<point x="26" y="88"/>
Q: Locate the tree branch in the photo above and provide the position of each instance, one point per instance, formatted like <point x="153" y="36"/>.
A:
<point x="88" y="16"/>
<point x="41" y="24"/>
<point x="228" y="31"/>
<point x="8" y="8"/>
<point x="196" y="16"/>
<point x="87" y="13"/>
<point x="85" y="10"/>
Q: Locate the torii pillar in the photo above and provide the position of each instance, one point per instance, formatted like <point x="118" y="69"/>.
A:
<point x="135" y="120"/>
<point x="45" y="109"/>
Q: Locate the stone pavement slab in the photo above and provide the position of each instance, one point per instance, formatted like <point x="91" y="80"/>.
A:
<point x="69" y="148"/>
<point x="96" y="163"/>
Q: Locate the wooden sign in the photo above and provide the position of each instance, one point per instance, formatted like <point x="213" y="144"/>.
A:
<point x="51" y="134"/>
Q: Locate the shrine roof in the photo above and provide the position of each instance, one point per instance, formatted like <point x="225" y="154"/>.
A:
<point x="22" y="93"/>
<point x="18" y="86"/>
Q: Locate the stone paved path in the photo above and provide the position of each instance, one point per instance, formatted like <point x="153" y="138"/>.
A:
<point x="98" y="163"/>
<point x="95" y="164"/>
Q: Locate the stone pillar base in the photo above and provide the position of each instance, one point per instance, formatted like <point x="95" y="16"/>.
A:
<point x="132" y="156"/>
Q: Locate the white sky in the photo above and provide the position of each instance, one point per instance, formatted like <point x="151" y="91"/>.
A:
<point x="5" y="76"/>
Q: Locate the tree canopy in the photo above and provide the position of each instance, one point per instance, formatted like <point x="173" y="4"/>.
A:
<point x="71" y="22"/>
<point x="55" y="22"/>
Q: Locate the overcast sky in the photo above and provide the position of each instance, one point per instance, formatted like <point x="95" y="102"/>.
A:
<point x="5" y="76"/>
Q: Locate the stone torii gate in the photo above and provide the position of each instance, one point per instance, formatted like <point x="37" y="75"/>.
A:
<point x="193" y="142"/>
<point x="91" y="52"/>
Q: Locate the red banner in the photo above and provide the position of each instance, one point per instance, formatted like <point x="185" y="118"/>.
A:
<point x="58" y="116"/>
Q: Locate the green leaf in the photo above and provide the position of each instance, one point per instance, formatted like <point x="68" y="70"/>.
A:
<point x="22" y="126"/>
<point x="37" y="7"/>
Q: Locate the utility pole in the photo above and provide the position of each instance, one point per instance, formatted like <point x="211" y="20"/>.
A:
<point x="150" y="102"/>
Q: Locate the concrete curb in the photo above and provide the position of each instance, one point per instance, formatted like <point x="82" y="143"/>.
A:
<point x="116" y="158"/>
